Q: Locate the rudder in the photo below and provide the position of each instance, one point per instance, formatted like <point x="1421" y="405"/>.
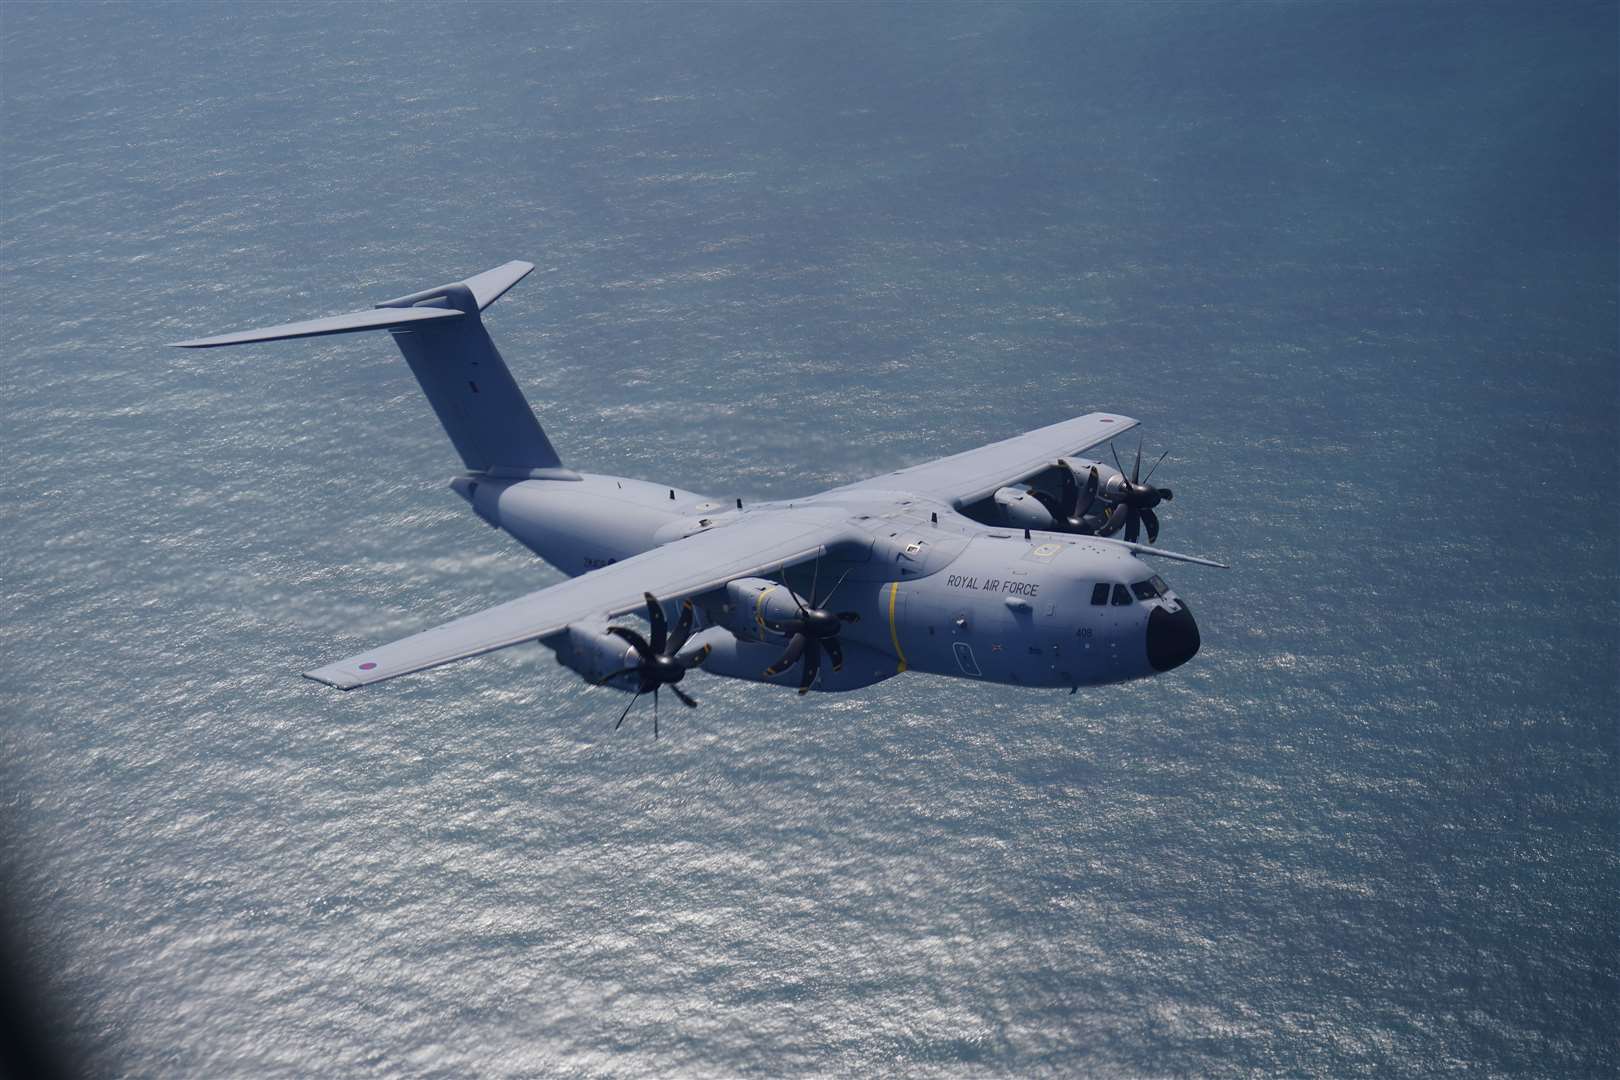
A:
<point x="470" y="387"/>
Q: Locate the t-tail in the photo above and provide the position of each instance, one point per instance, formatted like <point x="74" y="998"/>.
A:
<point x="442" y="335"/>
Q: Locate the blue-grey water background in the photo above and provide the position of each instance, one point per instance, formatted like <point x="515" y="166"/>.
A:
<point x="1354" y="265"/>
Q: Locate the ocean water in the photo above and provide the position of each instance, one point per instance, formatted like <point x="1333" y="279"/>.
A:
<point x="1353" y="265"/>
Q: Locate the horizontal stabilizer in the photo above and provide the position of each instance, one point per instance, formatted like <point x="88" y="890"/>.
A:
<point x="441" y="333"/>
<point x="486" y="288"/>
<point x="372" y="319"/>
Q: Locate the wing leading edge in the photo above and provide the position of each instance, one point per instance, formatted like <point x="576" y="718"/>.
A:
<point x="974" y="474"/>
<point x="757" y="544"/>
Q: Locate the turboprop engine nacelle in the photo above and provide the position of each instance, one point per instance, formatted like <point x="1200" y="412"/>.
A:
<point x="1044" y="508"/>
<point x="750" y="603"/>
<point x="1021" y="510"/>
<point x="594" y="654"/>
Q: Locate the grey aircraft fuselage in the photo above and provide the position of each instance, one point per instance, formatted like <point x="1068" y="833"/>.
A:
<point x="936" y="592"/>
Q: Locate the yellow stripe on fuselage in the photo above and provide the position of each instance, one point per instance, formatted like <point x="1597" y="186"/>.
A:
<point x="894" y="632"/>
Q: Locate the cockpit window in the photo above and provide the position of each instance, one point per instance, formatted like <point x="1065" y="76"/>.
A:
<point x="1122" y="596"/>
<point x="1099" y="594"/>
<point x="1158" y="583"/>
<point x="1144" y="590"/>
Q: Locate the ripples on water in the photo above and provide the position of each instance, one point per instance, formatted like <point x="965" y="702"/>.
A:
<point x="1355" y="268"/>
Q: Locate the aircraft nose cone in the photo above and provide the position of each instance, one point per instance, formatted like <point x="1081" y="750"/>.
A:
<point x="1172" y="639"/>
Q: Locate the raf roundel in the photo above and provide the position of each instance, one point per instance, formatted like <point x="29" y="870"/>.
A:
<point x="368" y="665"/>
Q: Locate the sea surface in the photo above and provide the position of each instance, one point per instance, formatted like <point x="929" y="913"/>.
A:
<point x="1353" y="265"/>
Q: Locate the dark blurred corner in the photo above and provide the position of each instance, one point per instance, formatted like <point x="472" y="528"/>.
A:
<point x="35" y="1034"/>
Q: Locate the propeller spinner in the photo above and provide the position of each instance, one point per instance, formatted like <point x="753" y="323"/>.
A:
<point x="815" y="629"/>
<point x="657" y="663"/>
<point x="1134" y="500"/>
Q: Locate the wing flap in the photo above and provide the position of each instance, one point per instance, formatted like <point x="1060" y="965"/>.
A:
<point x="754" y="545"/>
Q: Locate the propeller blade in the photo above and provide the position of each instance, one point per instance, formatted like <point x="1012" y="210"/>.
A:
<point x="637" y="642"/>
<point x="835" y="651"/>
<point x="697" y="658"/>
<point x="683" y="629"/>
<point x="815" y="577"/>
<point x="1115" y="518"/>
<point x="686" y="699"/>
<point x="621" y="673"/>
<point x="1133" y="524"/>
<point x="812" y="667"/>
<point x="1051" y="505"/>
<point x="1117" y="465"/>
<point x="1166" y="494"/>
<point x="781" y="572"/>
<point x="1151" y="520"/>
<point x="1069" y="496"/>
<point x="660" y="628"/>
<point x="627" y="710"/>
<point x="825" y="600"/>
<point x="1088" y="494"/>
<point x="1156" y="464"/>
<point x="1136" y="470"/>
<point x="655" y="714"/>
<point x="795" y="650"/>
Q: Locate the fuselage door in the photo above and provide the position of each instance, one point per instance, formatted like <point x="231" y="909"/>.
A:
<point x="965" y="660"/>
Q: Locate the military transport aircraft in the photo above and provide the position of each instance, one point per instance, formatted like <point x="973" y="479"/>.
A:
<point x="995" y="564"/>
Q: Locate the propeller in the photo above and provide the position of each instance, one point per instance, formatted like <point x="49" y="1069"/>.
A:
<point x="657" y="664"/>
<point x="1069" y="507"/>
<point x="1134" y="500"/>
<point x="814" y="631"/>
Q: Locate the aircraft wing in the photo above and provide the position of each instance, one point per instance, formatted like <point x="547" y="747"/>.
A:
<point x="758" y="543"/>
<point x="974" y="474"/>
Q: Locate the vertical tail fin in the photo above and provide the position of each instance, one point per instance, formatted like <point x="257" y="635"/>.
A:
<point x="442" y="335"/>
<point x="465" y="379"/>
